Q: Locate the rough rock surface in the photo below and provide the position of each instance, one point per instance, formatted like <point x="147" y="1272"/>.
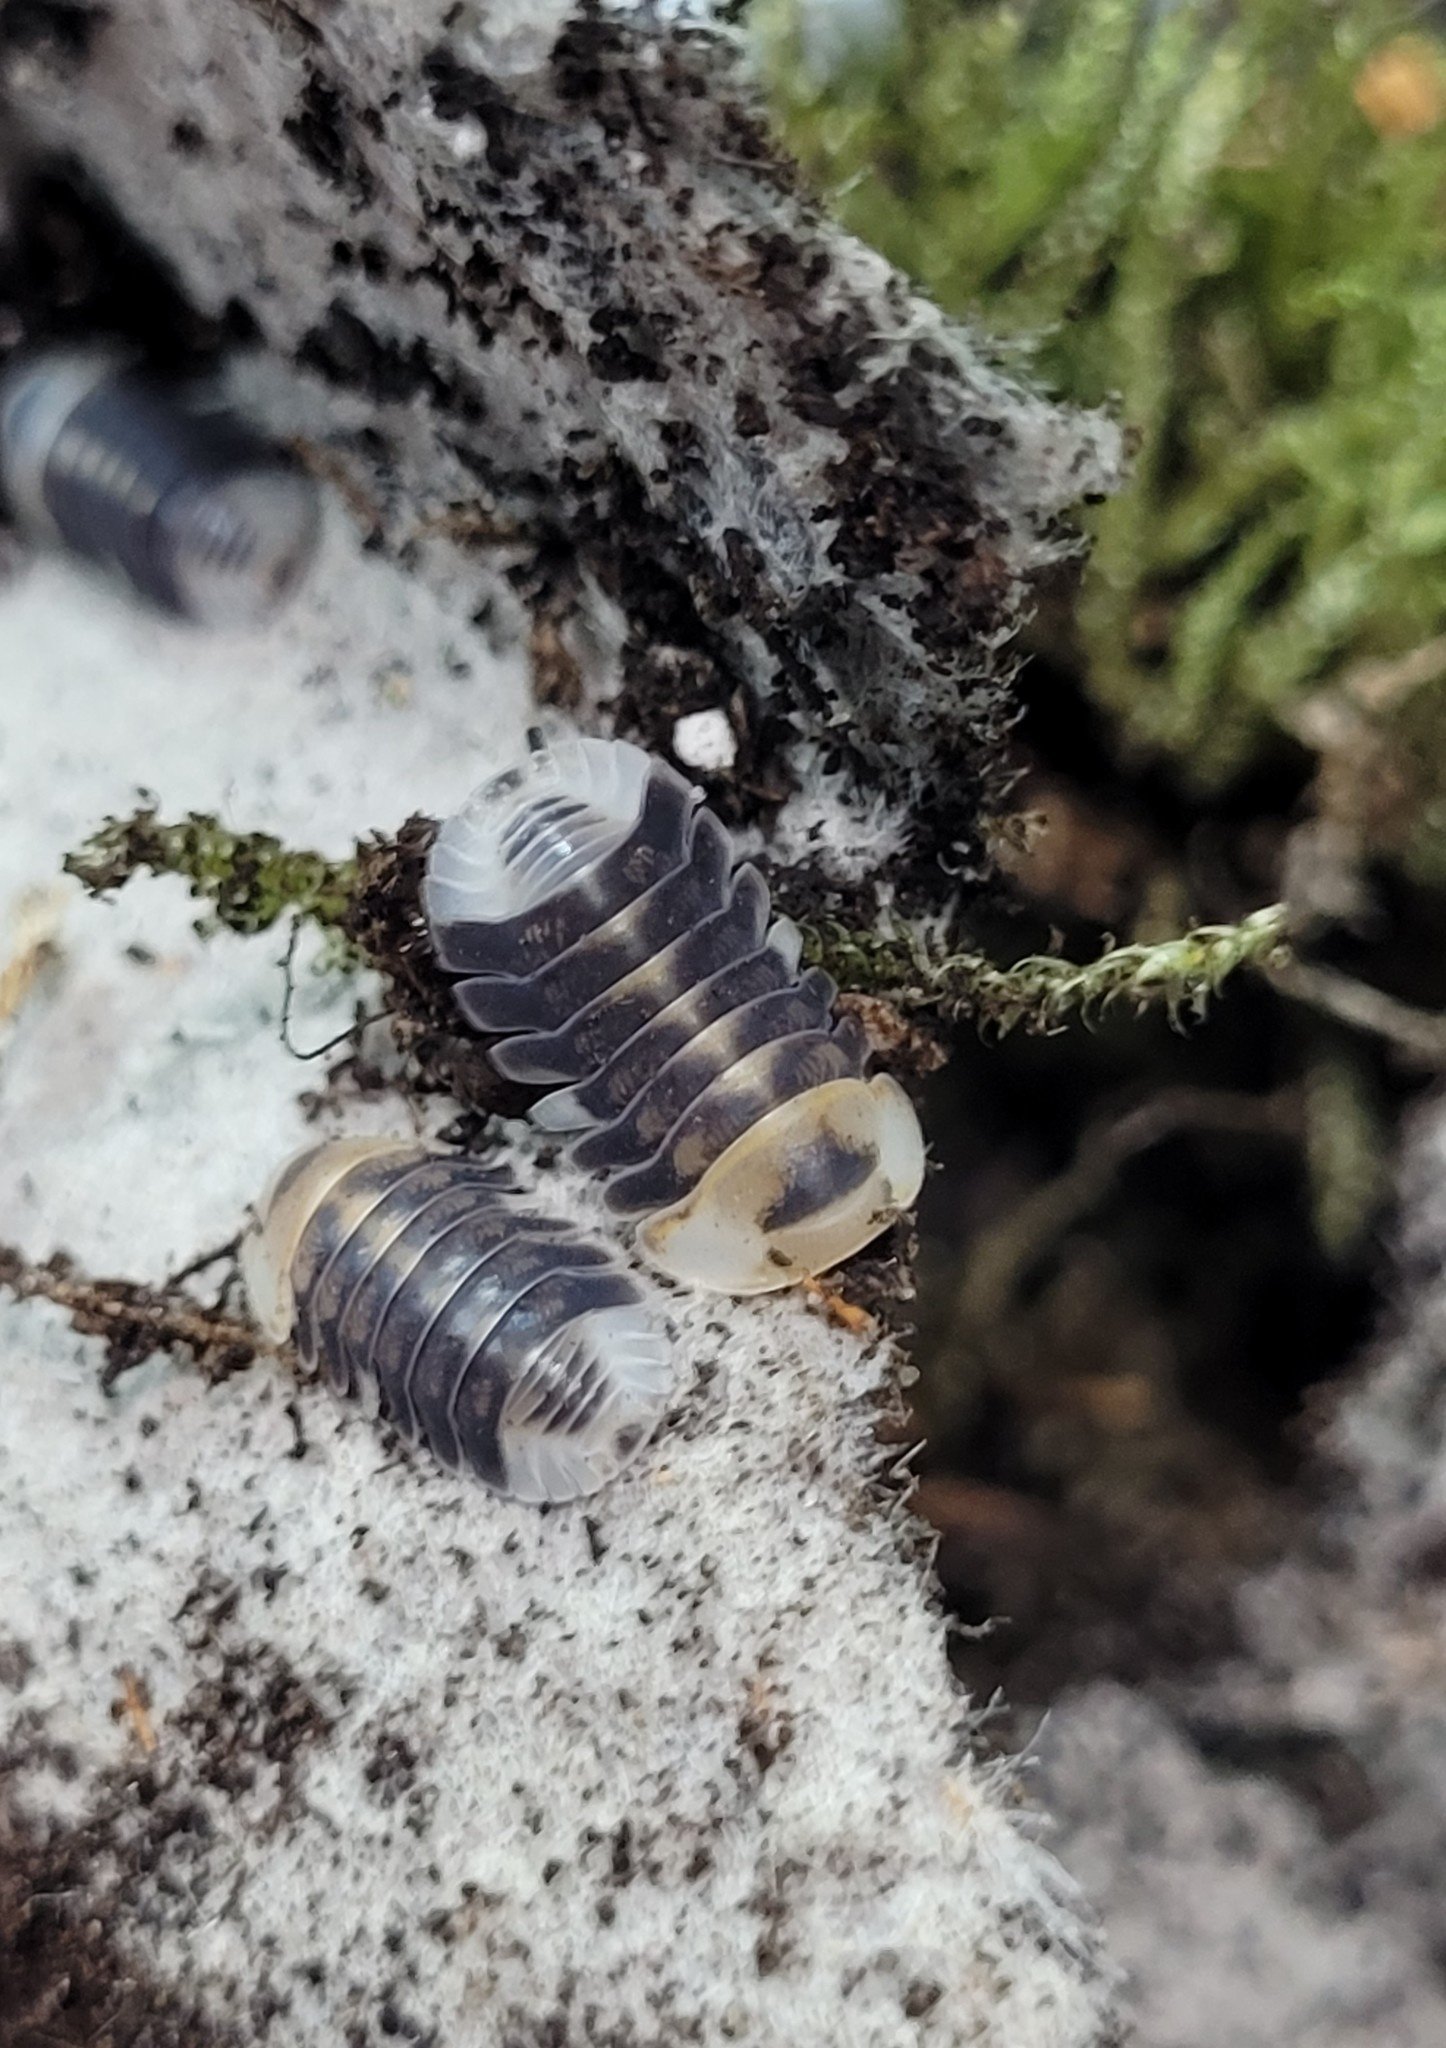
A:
<point x="303" y="1741"/>
<point x="306" y="1739"/>
<point x="559" y="263"/>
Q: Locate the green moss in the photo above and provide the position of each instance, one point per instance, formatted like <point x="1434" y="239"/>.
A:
<point x="1220" y="220"/>
<point x="250" y="880"/>
<point x="1044" y="993"/>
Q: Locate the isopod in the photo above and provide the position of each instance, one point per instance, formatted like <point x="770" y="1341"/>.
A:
<point x="503" y="1341"/>
<point x="603" y="932"/>
<point x="156" y="481"/>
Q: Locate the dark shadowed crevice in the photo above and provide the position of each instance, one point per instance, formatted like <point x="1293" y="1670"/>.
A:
<point x="67" y="1979"/>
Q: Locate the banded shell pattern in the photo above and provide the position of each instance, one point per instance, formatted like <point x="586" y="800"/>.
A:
<point x="505" y="1342"/>
<point x="593" y="910"/>
<point x="157" y="482"/>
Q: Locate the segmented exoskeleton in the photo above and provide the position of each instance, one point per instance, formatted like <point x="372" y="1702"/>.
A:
<point x="505" y="1342"/>
<point x="155" y="481"/>
<point x="593" y="910"/>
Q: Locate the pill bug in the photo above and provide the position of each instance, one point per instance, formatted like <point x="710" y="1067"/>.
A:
<point x="505" y="1342"/>
<point x="593" y="910"/>
<point x="157" y="482"/>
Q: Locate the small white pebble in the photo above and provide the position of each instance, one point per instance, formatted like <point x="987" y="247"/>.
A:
<point x="469" y="140"/>
<point x="705" y="739"/>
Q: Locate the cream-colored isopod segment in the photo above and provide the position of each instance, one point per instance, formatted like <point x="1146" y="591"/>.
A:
<point x="809" y="1185"/>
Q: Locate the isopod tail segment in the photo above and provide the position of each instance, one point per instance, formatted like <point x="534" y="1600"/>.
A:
<point x="602" y="932"/>
<point x="505" y="1342"/>
<point x="157" y="482"/>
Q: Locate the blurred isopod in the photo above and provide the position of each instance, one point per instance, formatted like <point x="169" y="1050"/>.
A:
<point x="158" y="482"/>
<point x="594" y="910"/>
<point x="505" y="1342"/>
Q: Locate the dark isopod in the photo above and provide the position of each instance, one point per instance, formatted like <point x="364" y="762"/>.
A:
<point x="593" y="912"/>
<point x="156" y="482"/>
<point x="505" y="1342"/>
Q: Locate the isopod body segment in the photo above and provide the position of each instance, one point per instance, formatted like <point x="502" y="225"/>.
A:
<point x="600" y="928"/>
<point x="505" y="1342"/>
<point x="155" y="481"/>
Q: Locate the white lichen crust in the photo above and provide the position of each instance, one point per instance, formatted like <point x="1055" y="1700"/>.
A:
<point x="681" y="1764"/>
<point x="391" y="1758"/>
<point x="688" y="1762"/>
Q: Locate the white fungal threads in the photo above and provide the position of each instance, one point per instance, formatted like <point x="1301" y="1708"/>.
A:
<point x="505" y="1342"/>
<point x="594" y="912"/>
<point x="201" y="517"/>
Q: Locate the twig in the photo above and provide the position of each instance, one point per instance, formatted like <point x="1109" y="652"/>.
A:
<point x="1000" y="1261"/>
<point x="136" y="1321"/>
<point x="1420" y="1034"/>
<point x="134" y="1705"/>
<point x="1003" y="1254"/>
<point x="228" y="1250"/>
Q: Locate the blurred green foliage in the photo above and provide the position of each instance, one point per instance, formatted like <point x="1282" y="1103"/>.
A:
<point x="1230" y="222"/>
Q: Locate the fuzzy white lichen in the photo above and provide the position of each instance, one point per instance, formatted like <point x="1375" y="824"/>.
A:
<point x="687" y="1764"/>
<point x="849" y="834"/>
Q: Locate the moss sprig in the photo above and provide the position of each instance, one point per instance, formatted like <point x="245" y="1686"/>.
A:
<point x="1043" y="993"/>
<point x="250" y="880"/>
